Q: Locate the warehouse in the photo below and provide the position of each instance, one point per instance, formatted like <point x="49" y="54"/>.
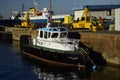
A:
<point x="104" y="11"/>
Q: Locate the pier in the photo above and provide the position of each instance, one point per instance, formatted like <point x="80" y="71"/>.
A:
<point x="106" y="42"/>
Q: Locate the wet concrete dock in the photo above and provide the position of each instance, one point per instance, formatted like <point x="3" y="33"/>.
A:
<point x="105" y="42"/>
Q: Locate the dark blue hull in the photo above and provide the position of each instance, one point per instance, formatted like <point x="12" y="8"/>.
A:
<point x="55" y="58"/>
<point x="9" y="22"/>
<point x="45" y="20"/>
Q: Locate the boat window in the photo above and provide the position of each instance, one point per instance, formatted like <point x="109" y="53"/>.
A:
<point x="70" y="42"/>
<point x="54" y="35"/>
<point x="63" y="35"/>
<point x="62" y="29"/>
<point x="41" y="34"/>
<point x="45" y="35"/>
<point x="54" y="29"/>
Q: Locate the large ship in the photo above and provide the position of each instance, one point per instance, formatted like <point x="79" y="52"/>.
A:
<point x="36" y="16"/>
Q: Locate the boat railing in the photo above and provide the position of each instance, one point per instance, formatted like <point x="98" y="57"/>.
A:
<point x="83" y="52"/>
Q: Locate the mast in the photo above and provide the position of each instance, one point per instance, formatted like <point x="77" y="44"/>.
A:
<point x="50" y="12"/>
<point x="49" y="20"/>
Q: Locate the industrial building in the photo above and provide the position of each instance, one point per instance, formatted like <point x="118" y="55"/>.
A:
<point x="106" y="12"/>
<point x="97" y="10"/>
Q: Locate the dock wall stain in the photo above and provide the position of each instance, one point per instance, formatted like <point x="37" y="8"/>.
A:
<point x="107" y="44"/>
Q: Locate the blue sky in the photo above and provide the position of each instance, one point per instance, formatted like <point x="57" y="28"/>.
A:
<point x="59" y="6"/>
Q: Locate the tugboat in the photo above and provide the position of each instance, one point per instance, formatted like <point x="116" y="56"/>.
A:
<point x="53" y="46"/>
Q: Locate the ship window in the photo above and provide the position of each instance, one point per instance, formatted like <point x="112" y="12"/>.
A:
<point x="54" y="35"/>
<point x="45" y="35"/>
<point x="41" y="34"/>
<point x="54" y="29"/>
<point x="70" y="42"/>
<point x="63" y="35"/>
<point x="62" y="29"/>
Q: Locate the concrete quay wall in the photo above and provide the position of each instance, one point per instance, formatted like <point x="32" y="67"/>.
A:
<point x="17" y="32"/>
<point x="107" y="44"/>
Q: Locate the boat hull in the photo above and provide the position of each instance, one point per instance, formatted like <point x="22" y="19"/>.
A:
<point x="50" y="62"/>
<point x="9" y="22"/>
<point x="37" y="21"/>
<point x="56" y="58"/>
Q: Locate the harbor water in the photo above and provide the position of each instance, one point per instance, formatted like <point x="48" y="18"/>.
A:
<point x="15" y="66"/>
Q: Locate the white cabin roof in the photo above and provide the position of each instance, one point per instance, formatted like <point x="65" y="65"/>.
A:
<point x="54" y="29"/>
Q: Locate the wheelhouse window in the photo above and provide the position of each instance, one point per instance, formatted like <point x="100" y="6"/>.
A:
<point x="54" y="35"/>
<point x="45" y="34"/>
<point x="63" y="35"/>
<point x="41" y="34"/>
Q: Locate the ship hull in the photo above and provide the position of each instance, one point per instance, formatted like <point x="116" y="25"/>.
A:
<point x="9" y="22"/>
<point x="37" y="21"/>
<point x="56" y="58"/>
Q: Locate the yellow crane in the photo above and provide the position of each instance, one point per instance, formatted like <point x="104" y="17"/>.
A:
<point x="87" y="22"/>
<point x="26" y="23"/>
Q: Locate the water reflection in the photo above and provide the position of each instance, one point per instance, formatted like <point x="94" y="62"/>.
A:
<point x="52" y="73"/>
<point x="48" y="72"/>
<point x="45" y="74"/>
<point x="109" y="73"/>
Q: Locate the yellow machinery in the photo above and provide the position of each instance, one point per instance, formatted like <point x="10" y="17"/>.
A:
<point x="87" y="22"/>
<point x="26" y="22"/>
<point x="68" y="20"/>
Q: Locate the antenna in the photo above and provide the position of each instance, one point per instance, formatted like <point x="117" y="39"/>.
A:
<point x="50" y="15"/>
